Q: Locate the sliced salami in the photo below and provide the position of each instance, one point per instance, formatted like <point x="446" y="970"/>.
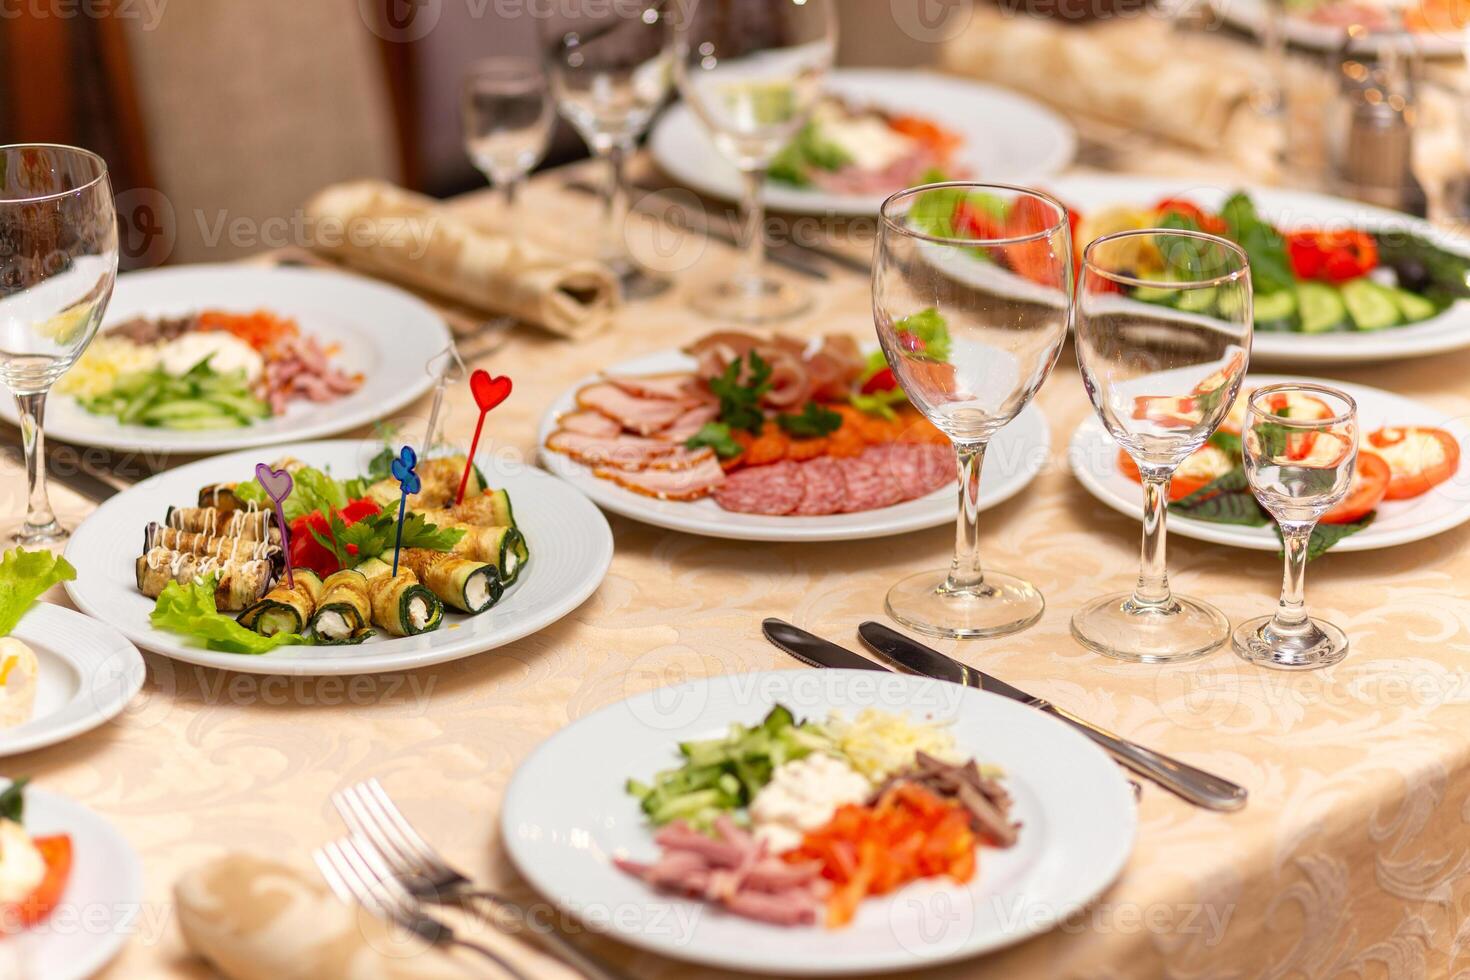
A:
<point x="826" y="488"/>
<point x="870" y="481"/>
<point x="775" y="489"/>
<point x="919" y="469"/>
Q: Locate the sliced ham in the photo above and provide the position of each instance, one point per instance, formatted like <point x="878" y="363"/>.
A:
<point x="643" y="416"/>
<point x="689" y="483"/>
<point x="682" y="387"/>
<point x="589" y="423"/>
<point x="620" y="451"/>
<point x="690" y="422"/>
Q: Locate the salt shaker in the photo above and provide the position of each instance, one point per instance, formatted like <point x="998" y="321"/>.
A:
<point x="1374" y="159"/>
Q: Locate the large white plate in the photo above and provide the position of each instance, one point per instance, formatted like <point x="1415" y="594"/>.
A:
<point x="1251" y="15"/>
<point x="570" y="542"/>
<point x="1296" y="209"/>
<point x="1007" y="138"/>
<point x="1015" y="455"/>
<point x="88" y="673"/>
<point x="1093" y="456"/>
<point x="566" y="816"/>
<point x="103" y="897"/>
<point x="383" y="332"/>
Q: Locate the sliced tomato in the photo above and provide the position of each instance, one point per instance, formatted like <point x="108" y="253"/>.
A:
<point x="1166" y="410"/>
<point x="1031" y="260"/>
<point x="43" y="899"/>
<point x="1366" y="492"/>
<point x="1203" y="467"/>
<point x="971" y="221"/>
<point x="1419" y="458"/>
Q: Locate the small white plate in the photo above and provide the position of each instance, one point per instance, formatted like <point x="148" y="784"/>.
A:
<point x="571" y="547"/>
<point x="88" y="673"/>
<point x="1093" y="456"/>
<point x="1016" y="454"/>
<point x="1007" y="137"/>
<point x="374" y="325"/>
<point x="1296" y="209"/>
<point x="566" y="816"/>
<point x="103" y="897"/>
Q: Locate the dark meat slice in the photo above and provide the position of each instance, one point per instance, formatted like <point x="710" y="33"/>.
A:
<point x="826" y="490"/>
<point x="773" y="490"/>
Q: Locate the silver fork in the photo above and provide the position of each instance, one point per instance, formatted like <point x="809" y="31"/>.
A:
<point x="418" y="868"/>
<point x="356" y="874"/>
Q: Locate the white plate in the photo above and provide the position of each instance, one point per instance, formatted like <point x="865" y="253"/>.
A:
<point x="1251" y="15"/>
<point x="88" y="673"/>
<point x="1007" y="138"/>
<point x="102" y="901"/>
<point x="1297" y="209"/>
<point x="1015" y="455"/>
<point x="566" y="816"/>
<point x="571" y="547"/>
<point x="1093" y="456"/>
<point x="374" y="324"/>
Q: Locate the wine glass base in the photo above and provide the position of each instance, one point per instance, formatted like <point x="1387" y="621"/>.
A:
<point x="637" y="282"/>
<point x="1114" y="626"/>
<point x="39" y="535"/>
<point x="758" y="300"/>
<point x="1322" y="645"/>
<point x="1002" y="604"/>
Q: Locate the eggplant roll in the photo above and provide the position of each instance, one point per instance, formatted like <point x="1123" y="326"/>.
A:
<point x="402" y="606"/>
<point x="254" y="525"/>
<point x="222" y="496"/>
<point x="240" y="583"/>
<point x="344" y="607"/>
<point x="213" y="546"/>
<point x="488" y="509"/>
<point x="470" y="586"/>
<point x="286" y="608"/>
<point x="503" y="547"/>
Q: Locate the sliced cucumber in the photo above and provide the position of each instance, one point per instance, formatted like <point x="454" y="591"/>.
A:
<point x="1321" y="308"/>
<point x="1371" y="306"/>
<point x="1228" y="301"/>
<point x="183" y="408"/>
<point x="1197" y="300"/>
<point x="1153" y="294"/>
<point x="1412" y="306"/>
<point x="1276" y="311"/>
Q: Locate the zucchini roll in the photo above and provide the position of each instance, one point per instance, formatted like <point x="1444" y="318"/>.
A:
<point x="255" y="525"/>
<point x="285" y="608"/>
<point x="402" y="606"/>
<point x="213" y="546"/>
<point x="438" y="483"/>
<point x="344" y="608"/>
<point x="503" y="547"/>
<point x="240" y="583"/>
<point x="488" y="509"/>
<point x="470" y="586"/>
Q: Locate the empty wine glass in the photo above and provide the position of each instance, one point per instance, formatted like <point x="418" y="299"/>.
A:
<point x="1163" y="339"/>
<point x="507" y="114"/>
<point x="609" y="73"/>
<point x="972" y="289"/>
<point x="752" y="72"/>
<point x="58" y="261"/>
<point x="1299" y="465"/>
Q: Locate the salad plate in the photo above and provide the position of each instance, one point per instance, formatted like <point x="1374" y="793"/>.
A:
<point x="567" y="538"/>
<point x="995" y="135"/>
<point x="340" y="368"/>
<point x="575" y="831"/>
<point x="1094" y="458"/>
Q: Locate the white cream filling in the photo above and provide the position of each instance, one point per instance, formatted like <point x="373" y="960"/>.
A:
<point x="418" y="612"/>
<point x="21" y="866"/>
<point x="477" y="592"/>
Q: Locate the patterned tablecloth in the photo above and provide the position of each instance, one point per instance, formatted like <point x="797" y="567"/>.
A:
<point x="1351" y="858"/>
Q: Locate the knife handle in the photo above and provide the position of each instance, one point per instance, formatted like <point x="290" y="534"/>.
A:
<point x="1195" y="785"/>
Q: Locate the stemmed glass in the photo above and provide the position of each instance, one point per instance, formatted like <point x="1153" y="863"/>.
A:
<point x="971" y="317"/>
<point x="58" y="261"/>
<point x="1163" y="339"/>
<point x="609" y="74"/>
<point x="507" y="114"/>
<point x="752" y="72"/>
<point x="1298" y="468"/>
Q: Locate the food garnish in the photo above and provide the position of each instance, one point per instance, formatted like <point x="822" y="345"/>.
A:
<point x="24" y="576"/>
<point x="34" y="871"/>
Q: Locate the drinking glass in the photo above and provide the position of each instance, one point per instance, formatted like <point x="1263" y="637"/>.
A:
<point x="58" y="260"/>
<point x="752" y="72"/>
<point x="609" y="73"/>
<point x="1298" y="468"/>
<point x="507" y="114"/>
<point x="971" y="319"/>
<point x="1163" y="339"/>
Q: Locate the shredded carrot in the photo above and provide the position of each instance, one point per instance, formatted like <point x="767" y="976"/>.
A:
<point x="846" y="441"/>
<point x="261" y="329"/>
<point x="942" y="141"/>
<point x="798" y="450"/>
<point x="768" y="447"/>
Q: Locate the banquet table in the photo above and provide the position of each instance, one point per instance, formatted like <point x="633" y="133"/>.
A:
<point x="1350" y="859"/>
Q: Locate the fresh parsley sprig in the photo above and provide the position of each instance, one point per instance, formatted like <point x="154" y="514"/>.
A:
<point x="740" y="396"/>
<point x="813" y="422"/>
<point x="717" y="436"/>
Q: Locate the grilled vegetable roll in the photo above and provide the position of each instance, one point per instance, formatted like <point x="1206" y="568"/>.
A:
<point x="213" y="546"/>
<point x="286" y="608"/>
<point x="402" y="606"/>
<point x="222" y="497"/>
<point x="488" y="509"/>
<point x="374" y="567"/>
<point x="240" y="582"/>
<point x="344" y="607"/>
<point x="471" y="586"/>
<point x="503" y="547"/>
<point x="256" y="525"/>
<point x="438" y="483"/>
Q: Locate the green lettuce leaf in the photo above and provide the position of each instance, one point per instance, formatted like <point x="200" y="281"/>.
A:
<point x="189" y="610"/>
<point x="24" y="575"/>
<point x="312" y="489"/>
<point x="13" y="801"/>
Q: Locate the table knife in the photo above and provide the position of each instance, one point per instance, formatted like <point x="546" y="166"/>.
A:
<point x="812" y="650"/>
<point x="1195" y="785"/>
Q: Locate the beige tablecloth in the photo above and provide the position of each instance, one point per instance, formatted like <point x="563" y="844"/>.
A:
<point x="1351" y="858"/>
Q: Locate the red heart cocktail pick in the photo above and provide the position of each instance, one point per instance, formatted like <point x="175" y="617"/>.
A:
<point x="488" y="393"/>
<point x="277" y="485"/>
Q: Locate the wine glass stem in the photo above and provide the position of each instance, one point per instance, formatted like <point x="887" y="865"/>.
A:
<point x="508" y="191"/>
<point x="32" y="407"/>
<point x="1153" y="579"/>
<point x="615" y="206"/>
<point x="1291" y="611"/>
<point x="965" y="573"/>
<point x="753" y="242"/>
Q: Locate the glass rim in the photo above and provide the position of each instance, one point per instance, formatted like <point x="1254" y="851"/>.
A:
<point x="891" y="221"/>
<point x="1309" y="386"/>
<point x="492" y="66"/>
<point x="96" y="159"/>
<point x="1136" y="281"/>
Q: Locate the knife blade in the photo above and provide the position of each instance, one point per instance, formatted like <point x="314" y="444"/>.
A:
<point x="1195" y="785"/>
<point x="812" y="650"/>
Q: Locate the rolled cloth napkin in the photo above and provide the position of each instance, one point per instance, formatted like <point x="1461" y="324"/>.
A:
<point x="387" y="231"/>
<point x="255" y="919"/>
